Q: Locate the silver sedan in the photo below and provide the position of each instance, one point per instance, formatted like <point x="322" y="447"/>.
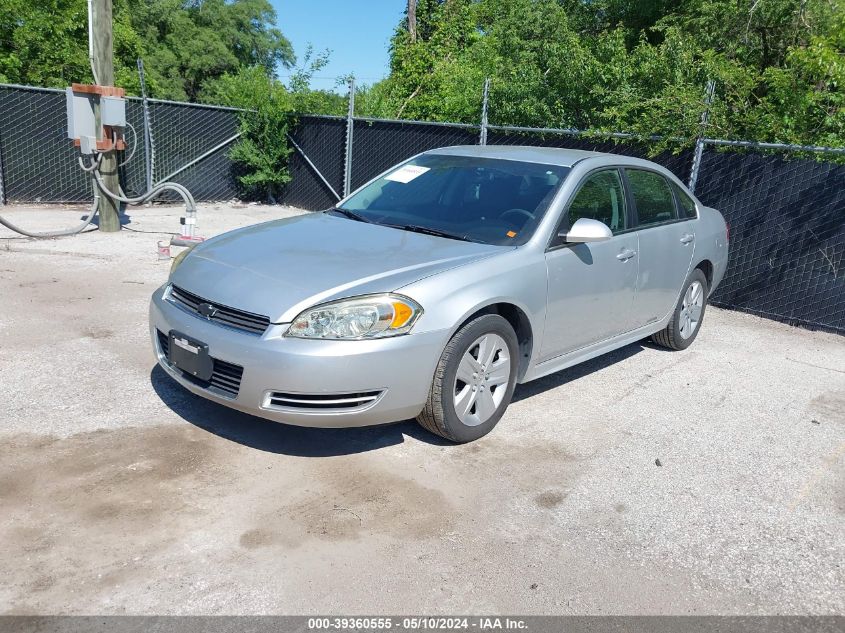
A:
<point x="434" y="289"/>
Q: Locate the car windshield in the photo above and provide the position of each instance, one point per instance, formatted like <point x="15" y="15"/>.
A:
<point x="485" y="200"/>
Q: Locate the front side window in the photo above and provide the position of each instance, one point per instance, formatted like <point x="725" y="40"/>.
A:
<point x="487" y="200"/>
<point x="652" y="196"/>
<point x="601" y="197"/>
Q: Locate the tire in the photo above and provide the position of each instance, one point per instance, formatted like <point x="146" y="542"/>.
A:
<point x="485" y="394"/>
<point x="683" y="327"/>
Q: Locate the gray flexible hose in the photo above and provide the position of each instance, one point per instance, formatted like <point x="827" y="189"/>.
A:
<point x="149" y="195"/>
<point x="95" y="207"/>
<point x="94" y="170"/>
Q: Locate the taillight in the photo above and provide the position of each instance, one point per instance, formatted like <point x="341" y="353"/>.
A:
<point x="727" y="232"/>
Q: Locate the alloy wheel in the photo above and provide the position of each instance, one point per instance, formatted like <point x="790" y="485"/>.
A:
<point x="691" y="308"/>
<point x="482" y="379"/>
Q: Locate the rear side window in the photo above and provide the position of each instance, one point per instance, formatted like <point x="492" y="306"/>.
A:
<point x="686" y="205"/>
<point x="652" y="196"/>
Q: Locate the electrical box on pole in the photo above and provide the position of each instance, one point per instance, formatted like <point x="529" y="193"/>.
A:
<point x="84" y="103"/>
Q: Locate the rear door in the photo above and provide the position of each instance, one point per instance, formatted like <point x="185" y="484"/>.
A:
<point x="666" y="238"/>
<point x="591" y="286"/>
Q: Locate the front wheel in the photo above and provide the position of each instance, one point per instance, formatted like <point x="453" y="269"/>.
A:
<point x="474" y="380"/>
<point x="688" y="315"/>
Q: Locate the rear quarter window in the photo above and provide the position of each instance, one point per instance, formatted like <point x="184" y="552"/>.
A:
<point x="686" y="207"/>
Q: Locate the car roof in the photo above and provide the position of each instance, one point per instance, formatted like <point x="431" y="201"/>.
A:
<point x="528" y="154"/>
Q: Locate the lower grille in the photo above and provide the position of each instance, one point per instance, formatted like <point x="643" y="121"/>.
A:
<point x="322" y="401"/>
<point x="225" y="377"/>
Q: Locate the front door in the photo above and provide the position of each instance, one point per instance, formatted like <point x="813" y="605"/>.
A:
<point x="591" y="286"/>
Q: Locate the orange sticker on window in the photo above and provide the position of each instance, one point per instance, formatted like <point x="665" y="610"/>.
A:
<point x="511" y="233"/>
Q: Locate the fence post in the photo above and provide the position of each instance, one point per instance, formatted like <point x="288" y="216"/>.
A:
<point x="2" y="183"/>
<point x="148" y="150"/>
<point x="483" y="138"/>
<point x="350" y="123"/>
<point x="699" y="142"/>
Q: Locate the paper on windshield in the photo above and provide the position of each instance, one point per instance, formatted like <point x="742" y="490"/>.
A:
<point x="407" y="173"/>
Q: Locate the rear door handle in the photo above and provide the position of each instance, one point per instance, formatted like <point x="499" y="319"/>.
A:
<point x="625" y="255"/>
<point x="686" y="238"/>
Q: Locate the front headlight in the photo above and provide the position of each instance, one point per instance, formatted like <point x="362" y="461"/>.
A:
<point x="179" y="259"/>
<point x="372" y="316"/>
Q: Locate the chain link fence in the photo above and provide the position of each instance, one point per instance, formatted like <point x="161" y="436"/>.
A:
<point x="37" y="160"/>
<point x="679" y="163"/>
<point x="320" y="140"/>
<point x="38" y="163"/>
<point x="787" y="225"/>
<point x="183" y="133"/>
<point x="379" y="144"/>
<point x="787" y="214"/>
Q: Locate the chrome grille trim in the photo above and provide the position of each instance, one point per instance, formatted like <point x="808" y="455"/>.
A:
<point x="229" y="317"/>
<point x="323" y="402"/>
<point x="225" y="377"/>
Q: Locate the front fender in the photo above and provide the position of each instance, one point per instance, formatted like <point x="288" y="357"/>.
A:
<point x="517" y="277"/>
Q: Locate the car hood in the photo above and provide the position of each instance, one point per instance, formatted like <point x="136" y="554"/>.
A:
<point x="282" y="267"/>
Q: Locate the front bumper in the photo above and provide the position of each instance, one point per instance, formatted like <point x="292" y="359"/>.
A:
<point x="400" y="369"/>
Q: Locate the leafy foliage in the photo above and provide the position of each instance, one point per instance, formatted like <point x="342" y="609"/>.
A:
<point x="46" y="43"/>
<point x="262" y="150"/>
<point x="185" y="44"/>
<point x="638" y="66"/>
<point x="189" y="44"/>
<point x="270" y="111"/>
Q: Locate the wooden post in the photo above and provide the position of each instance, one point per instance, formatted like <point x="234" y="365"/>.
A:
<point x="104" y="66"/>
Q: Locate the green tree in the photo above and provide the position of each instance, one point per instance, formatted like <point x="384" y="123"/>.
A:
<point x="270" y="110"/>
<point x="46" y="43"/>
<point x="804" y="101"/>
<point x="625" y="65"/>
<point x="186" y="44"/>
<point x="262" y="150"/>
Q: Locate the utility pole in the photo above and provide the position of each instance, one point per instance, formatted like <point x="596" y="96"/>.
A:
<point x="101" y="29"/>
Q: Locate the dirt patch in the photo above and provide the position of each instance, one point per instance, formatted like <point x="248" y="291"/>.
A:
<point x="93" y="502"/>
<point x="121" y="478"/>
<point x="347" y="502"/>
<point x="830" y="405"/>
<point x="98" y="333"/>
<point x="549" y="499"/>
<point x="253" y="539"/>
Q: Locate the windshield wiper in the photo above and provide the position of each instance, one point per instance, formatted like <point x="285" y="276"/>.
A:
<point x="415" y="228"/>
<point x="351" y="215"/>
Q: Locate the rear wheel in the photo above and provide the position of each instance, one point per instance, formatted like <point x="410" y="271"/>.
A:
<point x="474" y="380"/>
<point x="688" y="315"/>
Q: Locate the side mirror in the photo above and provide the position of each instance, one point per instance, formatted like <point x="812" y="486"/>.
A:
<point x="587" y="230"/>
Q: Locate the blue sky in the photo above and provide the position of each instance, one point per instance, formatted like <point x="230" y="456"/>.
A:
<point x="356" y="31"/>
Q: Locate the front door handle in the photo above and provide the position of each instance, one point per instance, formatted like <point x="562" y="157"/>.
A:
<point x="686" y="238"/>
<point x="625" y="255"/>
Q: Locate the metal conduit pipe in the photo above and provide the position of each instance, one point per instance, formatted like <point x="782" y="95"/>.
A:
<point x="190" y="204"/>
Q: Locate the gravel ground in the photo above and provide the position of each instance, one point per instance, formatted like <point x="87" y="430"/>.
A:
<point x="709" y="481"/>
